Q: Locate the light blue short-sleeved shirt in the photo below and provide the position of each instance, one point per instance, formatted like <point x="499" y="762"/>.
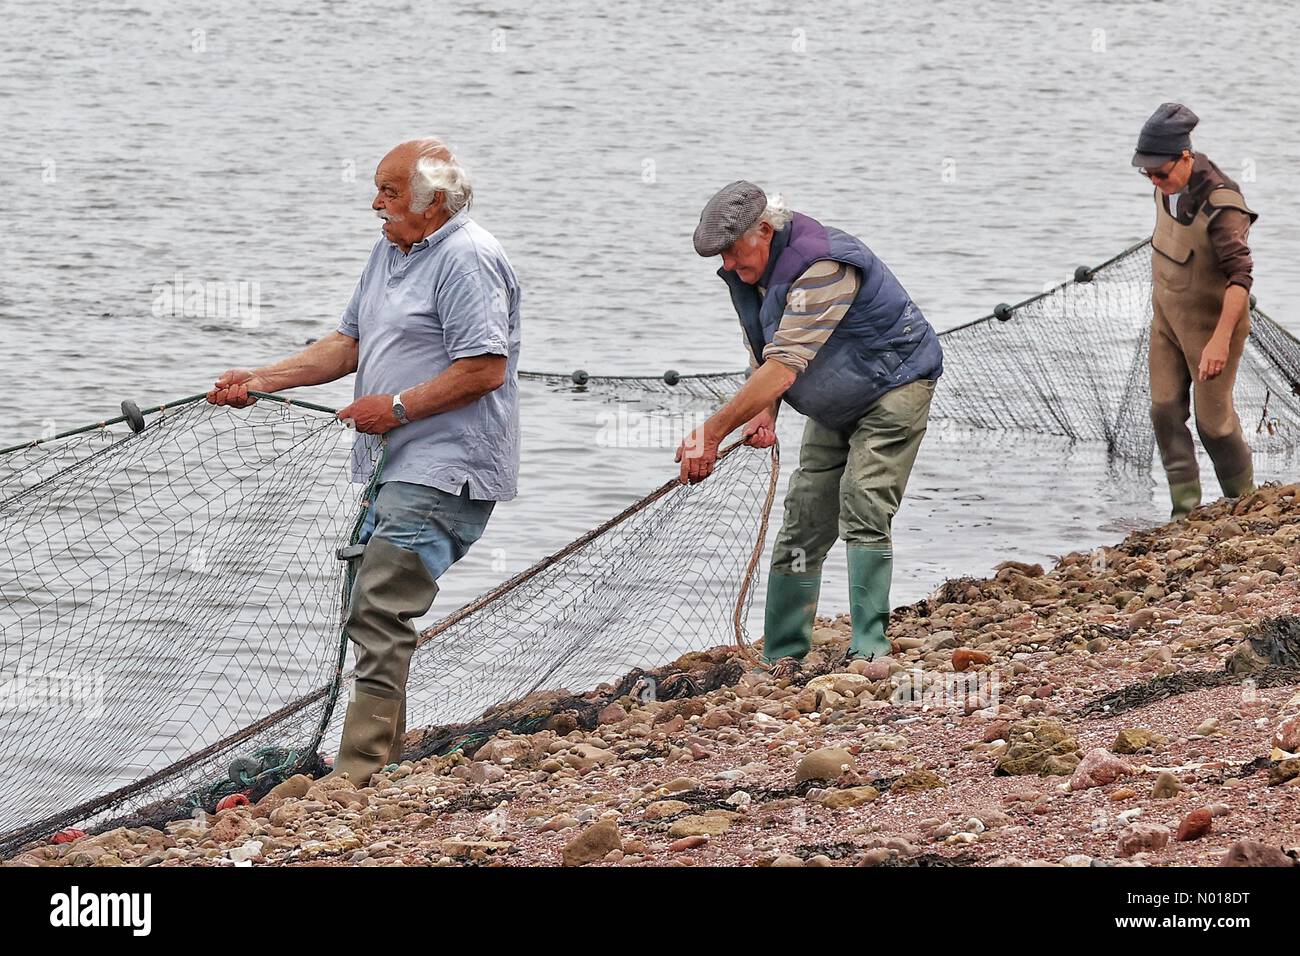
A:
<point x="453" y="296"/>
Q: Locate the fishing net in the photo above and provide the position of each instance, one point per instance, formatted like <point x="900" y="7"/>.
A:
<point x="158" y="593"/>
<point x="1073" y="362"/>
<point x="171" y="604"/>
<point x="708" y="386"/>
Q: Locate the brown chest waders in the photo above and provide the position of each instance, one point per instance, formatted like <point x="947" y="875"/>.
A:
<point x="393" y="587"/>
<point x="1187" y="289"/>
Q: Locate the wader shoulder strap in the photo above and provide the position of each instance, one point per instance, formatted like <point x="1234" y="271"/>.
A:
<point x="1224" y="197"/>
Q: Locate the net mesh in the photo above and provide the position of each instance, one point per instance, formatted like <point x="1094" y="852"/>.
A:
<point x="707" y="386"/>
<point x="171" y="602"/>
<point x="1073" y="362"/>
<point x="160" y="593"/>
<point x="171" y="608"/>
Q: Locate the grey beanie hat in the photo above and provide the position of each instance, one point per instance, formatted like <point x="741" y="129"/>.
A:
<point x="1165" y="135"/>
<point x="733" y="211"/>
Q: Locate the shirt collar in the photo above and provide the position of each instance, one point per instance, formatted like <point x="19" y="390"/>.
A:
<point x="441" y="233"/>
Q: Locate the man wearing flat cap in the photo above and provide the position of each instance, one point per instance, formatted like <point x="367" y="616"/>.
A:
<point x="1200" y="296"/>
<point x="832" y="332"/>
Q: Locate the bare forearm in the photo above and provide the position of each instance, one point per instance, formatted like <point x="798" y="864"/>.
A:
<point x="463" y="382"/>
<point x="1236" y="299"/>
<point x="325" y="360"/>
<point x="762" y="392"/>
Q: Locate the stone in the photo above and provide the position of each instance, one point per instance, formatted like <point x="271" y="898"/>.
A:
<point x="557" y="823"/>
<point x="1254" y="853"/>
<point x="1194" y="826"/>
<point x="1060" y="765"/>
<point x="1141" y="838"/>
<point x="964" y="658"/>
<point x="1166" y="786"/>
<point x="710" y="825"/>
<point x="1287" y="736"/>
<point x="874" y="671"/>
<point x="611" y="714"/>
<point x="1143" y="618"/>
<point x="665" y="808"/>
<point x="294" y="788"/>
<point x="563" y="723"/>
<point x="717" y="718"/>
<point x="841" y="684"/>
<point x="1207" y="727"/>
<point x="1031" y="744"/>
<point x="1132" y="740"/>
<point x="687" y="843"/>
<point x="459" y="849"/>
<point x="997" y="730"/>
<point x="824" y="764"/>
<point x="1280" y="771"/>
<point x="992" y="818"/>
<point x="592" y="844"/>
<point x="914" y="781"/>
<point x="231" y="826"/>
<point x="586" y="757"/>
<point x="1099" y="768"/>
<point x="849" y="797"/>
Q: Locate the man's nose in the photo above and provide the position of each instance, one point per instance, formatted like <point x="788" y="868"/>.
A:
<point x="377" y="202"/>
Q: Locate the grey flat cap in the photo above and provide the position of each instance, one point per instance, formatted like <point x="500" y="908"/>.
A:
<point x="731" y="212"/>
<point x="1165" y="135"/>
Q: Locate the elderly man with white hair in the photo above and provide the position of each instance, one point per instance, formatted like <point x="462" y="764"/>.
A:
<point x="832" y="332"/>
<point x="432" y="332"/>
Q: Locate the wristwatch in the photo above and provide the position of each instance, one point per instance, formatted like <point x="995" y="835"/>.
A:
<point x="399" y="410"/>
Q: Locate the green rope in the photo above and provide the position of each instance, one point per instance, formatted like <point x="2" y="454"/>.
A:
<point x="266" y="768"/>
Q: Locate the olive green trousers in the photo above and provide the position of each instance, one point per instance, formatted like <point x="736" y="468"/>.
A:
<point x="849" y="484"/>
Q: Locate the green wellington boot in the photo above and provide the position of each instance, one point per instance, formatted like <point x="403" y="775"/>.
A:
<point x="1240" y="486"/>
<point x="789" y="614"/>
<point x="1185" y="496"/>
<point x="870" y="570"/>
<point x="392" y="587"/>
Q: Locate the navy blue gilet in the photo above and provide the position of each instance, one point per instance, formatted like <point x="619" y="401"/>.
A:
<point x="882" y="342"/>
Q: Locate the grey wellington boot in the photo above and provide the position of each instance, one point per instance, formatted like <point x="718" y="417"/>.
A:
<point x="1185" y="496"/>
<point x="392" y="587"/>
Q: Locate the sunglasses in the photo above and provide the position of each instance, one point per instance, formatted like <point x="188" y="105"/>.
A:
<point x="1155" y="175"/>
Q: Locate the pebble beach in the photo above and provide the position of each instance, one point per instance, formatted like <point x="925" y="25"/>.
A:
<point x="1131" y="705"/>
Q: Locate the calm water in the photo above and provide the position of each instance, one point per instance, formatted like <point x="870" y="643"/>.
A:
<point x="981" y="151"/>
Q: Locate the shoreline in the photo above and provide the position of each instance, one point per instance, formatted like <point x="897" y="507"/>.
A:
<point x="1116" y="709"/>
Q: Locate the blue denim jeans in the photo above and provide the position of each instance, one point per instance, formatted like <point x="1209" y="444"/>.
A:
<point x="436" y="525"/>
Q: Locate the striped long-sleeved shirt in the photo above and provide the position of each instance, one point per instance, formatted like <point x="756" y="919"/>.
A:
<point x="817" y="301"/>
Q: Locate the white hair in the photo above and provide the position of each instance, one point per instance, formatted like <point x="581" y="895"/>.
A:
<point x="776" y="214"/>
<point x="434" y="171"/>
